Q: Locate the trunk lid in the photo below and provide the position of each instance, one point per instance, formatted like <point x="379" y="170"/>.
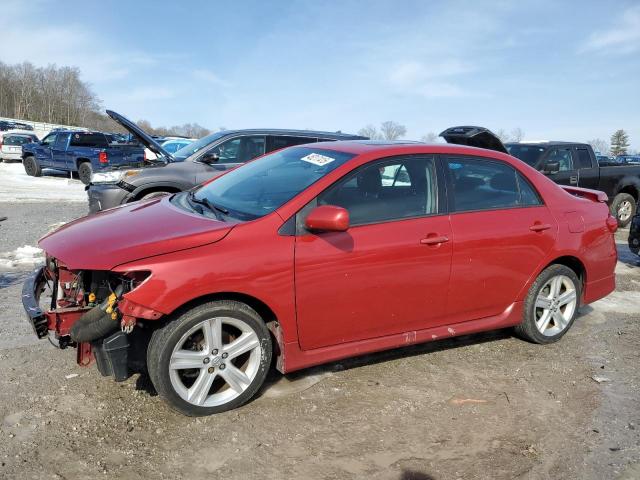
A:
<point x="143" y="137"/>
<point x="474" y="137"/>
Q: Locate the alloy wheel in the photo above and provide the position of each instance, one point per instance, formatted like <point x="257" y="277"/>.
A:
<point x="624" y="210"/>
<point x="215" y="361"/>
<point x="555" y="305"/>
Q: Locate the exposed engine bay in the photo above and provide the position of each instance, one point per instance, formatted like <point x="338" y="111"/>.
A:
<point x="87" y="309"/>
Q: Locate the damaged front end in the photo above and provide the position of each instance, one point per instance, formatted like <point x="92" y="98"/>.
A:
<point x="89" y="310"/>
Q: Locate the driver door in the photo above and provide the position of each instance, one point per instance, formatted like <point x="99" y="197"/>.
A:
<point x="43" y="151"/>
<point x="385" y="275"/>
<point x="231" y="153"/>
<point x="567" y="174"/>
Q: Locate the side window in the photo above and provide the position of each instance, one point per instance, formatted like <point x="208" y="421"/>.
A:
<point x="276" y="142"/>
<point x="528" y="196"/>
<point x="49" y="139"/>
<point x="563" y="157"/>
<point x="482" y="184"/>
<point x="584" y="159"/>
<point x="240" y="149"/>
<point x="91" y="140"/>
<point x="61" y="141"/>
<point x="390" y="190"/>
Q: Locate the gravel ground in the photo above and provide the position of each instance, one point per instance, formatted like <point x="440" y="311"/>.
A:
<point x="476" y="407"/>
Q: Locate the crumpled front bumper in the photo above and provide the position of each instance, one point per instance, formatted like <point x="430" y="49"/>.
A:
<point x="31" y="290"/>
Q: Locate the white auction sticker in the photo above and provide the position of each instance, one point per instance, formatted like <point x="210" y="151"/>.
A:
<point x="317" y="159"/>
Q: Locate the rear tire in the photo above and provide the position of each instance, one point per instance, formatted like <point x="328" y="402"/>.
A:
<point x="623" y="208"/>
<point x="84" y="172"/>
<point x="551" y="305"/>
<point x="210" y="359"/>
<point x="32" y="167"/>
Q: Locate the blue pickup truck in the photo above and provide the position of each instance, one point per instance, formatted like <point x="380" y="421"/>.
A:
<point x="81" y="152"/>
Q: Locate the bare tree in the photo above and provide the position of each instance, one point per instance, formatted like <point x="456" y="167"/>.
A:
<point x="517" y="134"/>
<point x="370" y="131"/>
<point x="599" y="146"/>
<point x="430" y="138"/>
<point x="391" y="130"/>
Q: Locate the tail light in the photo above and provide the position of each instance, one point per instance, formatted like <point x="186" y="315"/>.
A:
<point x="612" y="223"/>
<point x="102" y="157"/>
<point x="144" y="155"/>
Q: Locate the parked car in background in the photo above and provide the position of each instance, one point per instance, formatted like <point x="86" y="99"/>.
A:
<point x="6" y="126"/>
<point x="308" y="255"/>
<point x="575" y="164"/>
<point x="173" y="145"/>
<point x="634" y="234"/>
<point x="81" y="152"/>
<point x="11" y="144"/>
<point x="198" y="162"/>
<point x="628" y="159"/>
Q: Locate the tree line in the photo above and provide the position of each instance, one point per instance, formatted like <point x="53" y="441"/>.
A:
<point x="58" y="95"/>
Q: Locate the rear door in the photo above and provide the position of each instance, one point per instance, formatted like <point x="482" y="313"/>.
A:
<point x="59" y="155"/>
<point x="389" y="272"/>
<point x="567" y="173"/>
<point x="502" y="232"/>
<point x="587" y="166"/>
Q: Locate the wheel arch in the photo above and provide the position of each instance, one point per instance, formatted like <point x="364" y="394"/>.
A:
<point x="572" y="262"/>
<point x="80" y="160"/>
<point x="265" y="311"/>
<point x="155" y="188"/>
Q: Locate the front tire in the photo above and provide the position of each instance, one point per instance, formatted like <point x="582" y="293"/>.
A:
<point x="84" y="172"/>
<point x="210" y="359"/>
<point x="32" y="167"/>
<point x="154" y="195"/>
<point x="623" y="208"/>
<point x="551" y="305"/>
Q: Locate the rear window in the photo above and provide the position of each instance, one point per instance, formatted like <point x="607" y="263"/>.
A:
<point x="529" y="154"/>
<point x="17" y="140"/>
<point x="96" y="140"/>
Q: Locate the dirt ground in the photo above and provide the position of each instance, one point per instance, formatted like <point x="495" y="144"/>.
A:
<point x="486" y="406"/>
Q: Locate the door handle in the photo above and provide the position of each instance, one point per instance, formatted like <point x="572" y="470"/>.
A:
<point x="539" y="227"/>
<point x="573" y="180"/>
<point x="435" y="240"/>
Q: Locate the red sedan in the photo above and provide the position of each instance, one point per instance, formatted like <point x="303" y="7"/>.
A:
<point x="316" y="253"/>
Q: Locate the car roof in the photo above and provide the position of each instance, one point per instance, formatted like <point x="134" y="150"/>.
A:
<point x="303" y="133"/>
<point x="547" y="143"/>
<point x="400" y="147"/>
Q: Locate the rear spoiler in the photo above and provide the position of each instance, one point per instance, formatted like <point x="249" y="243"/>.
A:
<point x="479" y="137"/>
<point x="593" y="195"/>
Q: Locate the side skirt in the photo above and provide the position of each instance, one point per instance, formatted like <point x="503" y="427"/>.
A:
<point x="293" y="358"/>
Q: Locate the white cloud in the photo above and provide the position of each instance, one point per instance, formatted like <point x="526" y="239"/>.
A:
<point x="145" y="94"/>
<point x="209" y="77"/>
<point x="432" y="80"/>
<point x="623" y="37"/>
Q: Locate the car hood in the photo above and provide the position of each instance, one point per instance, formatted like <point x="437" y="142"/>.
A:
<point x="130" y="232"/>
<point x="140" y="135"/>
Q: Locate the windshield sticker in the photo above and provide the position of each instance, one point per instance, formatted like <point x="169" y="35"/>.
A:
<point x="317" y="159"/>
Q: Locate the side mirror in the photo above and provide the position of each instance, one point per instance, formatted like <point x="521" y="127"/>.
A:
<point x="210" y="158"/>
<point x="551" y="167"/>
<point x="327" y="218"/>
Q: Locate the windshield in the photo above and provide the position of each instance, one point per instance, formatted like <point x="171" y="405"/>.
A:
<point x="529" y="154"/>
<point x="260" y="186"/>
<point x="198" y="145"/>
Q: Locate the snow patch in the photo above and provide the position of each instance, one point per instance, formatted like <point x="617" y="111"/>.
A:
<point x="22" y="256"/>
<point x="16" y="185"/>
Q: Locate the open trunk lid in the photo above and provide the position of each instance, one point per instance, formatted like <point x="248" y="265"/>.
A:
<point x="144" y="138"/>
<point x="474" y="137"/>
